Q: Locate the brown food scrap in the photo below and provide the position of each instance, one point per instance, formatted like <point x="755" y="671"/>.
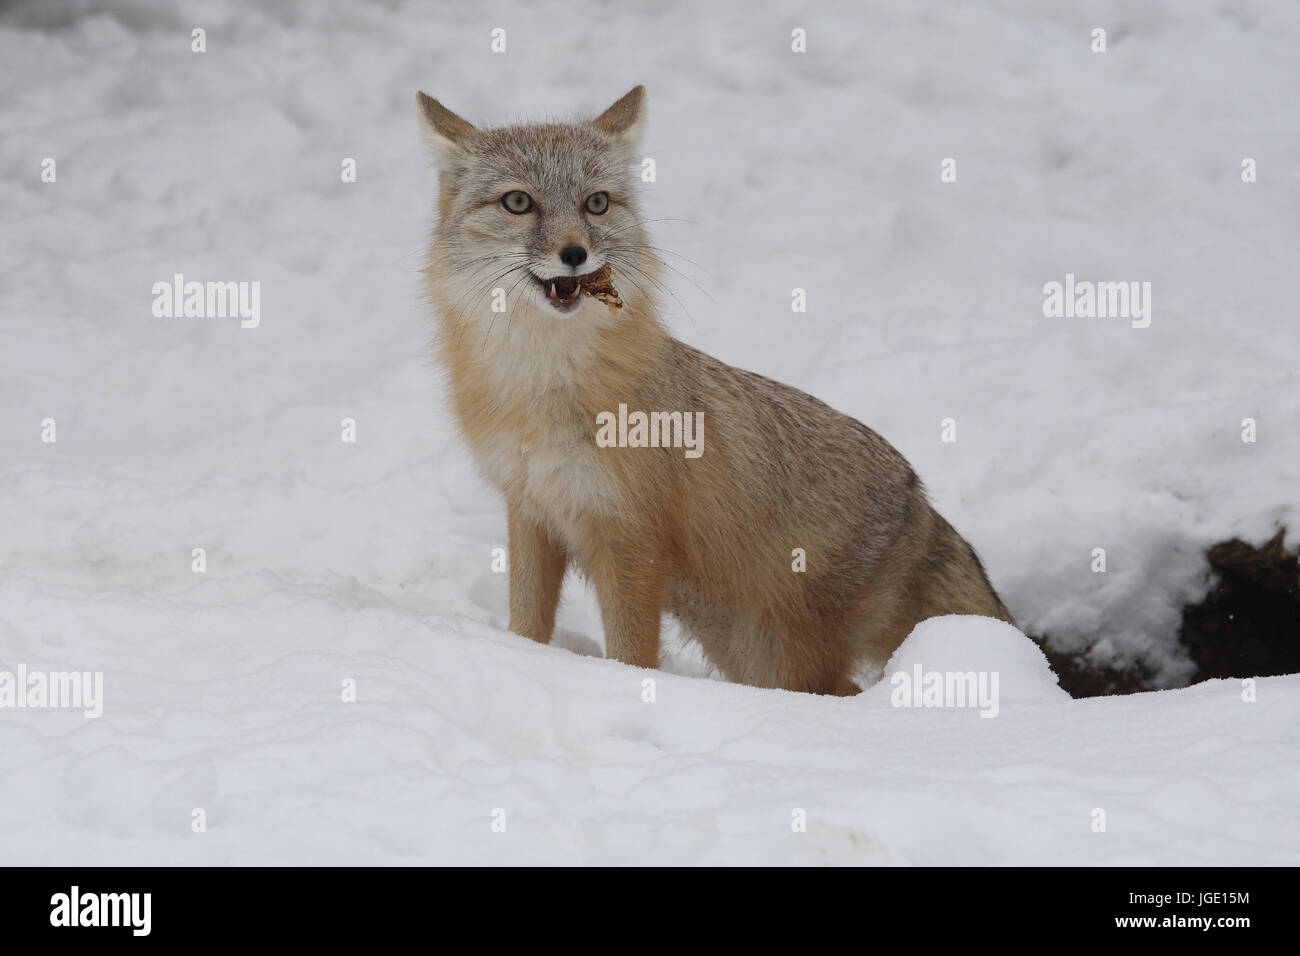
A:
<point x="600" y="286"/>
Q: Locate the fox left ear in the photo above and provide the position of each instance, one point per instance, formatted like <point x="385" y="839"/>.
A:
<point x="445" y="133"/>
<point x="625" y="119"/>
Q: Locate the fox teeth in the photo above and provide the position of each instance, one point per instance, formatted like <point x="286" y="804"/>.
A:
<point x="552" y="288"/>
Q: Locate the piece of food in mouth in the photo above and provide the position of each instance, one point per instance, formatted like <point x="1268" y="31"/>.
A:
<point x="600" y="286"/>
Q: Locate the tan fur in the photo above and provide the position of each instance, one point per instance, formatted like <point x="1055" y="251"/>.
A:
<point x="707" y="539"/>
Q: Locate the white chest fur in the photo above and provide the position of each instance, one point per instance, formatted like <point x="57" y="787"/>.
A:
<point x="553" y="470"/>
<point x="557" y="478"/>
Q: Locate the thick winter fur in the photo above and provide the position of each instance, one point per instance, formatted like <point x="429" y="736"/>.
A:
<point x="708" y="539"/>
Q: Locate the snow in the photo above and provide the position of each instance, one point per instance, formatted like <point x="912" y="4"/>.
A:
<point x="965" y="644"/>
<point x="372" y="562"/>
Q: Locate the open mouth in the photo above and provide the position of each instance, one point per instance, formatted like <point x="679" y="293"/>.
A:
<point x="563" y="292"/>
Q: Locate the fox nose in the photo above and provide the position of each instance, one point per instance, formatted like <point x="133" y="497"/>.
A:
<point x="573" y="256"/>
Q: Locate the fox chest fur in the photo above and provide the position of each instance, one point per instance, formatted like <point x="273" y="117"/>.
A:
<point x="543" y="457"/>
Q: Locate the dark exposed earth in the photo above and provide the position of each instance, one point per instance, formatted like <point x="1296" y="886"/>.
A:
<point x="1248" y="625"/>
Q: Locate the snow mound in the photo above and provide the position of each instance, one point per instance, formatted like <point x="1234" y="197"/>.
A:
<point x="960" y="643"/>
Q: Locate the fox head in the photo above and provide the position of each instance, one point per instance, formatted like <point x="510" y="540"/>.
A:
<point x="525" y="211"/>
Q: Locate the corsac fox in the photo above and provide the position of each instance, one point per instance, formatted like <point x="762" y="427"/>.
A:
<point x="793" y="542"/>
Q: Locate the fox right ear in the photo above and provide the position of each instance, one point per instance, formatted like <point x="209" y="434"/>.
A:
<point x="626" y="118"/>
<point x="444" y="132"/>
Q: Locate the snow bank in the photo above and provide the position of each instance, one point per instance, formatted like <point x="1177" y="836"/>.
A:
<point x="457" y="726"/>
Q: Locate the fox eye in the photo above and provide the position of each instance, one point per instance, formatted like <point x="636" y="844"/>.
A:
<point x="517" y="201"/>
<point x="598" y="204"/>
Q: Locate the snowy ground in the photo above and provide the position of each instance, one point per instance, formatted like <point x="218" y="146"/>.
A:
<point x="371" y="561"/>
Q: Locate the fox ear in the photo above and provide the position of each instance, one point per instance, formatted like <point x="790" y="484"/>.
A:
<point x="626" y="118"/>
<point x="444" y="132"/>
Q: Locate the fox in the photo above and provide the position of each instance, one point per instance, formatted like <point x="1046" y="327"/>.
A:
<point x="798" y="548"/>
